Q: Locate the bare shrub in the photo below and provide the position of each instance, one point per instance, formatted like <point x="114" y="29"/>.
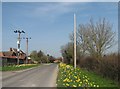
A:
<point x="108" y="66"/>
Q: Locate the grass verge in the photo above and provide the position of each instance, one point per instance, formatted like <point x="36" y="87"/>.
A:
<point x="70" y="77"/>
<point x="18" y="67"/>
<point x="0" y="68"/>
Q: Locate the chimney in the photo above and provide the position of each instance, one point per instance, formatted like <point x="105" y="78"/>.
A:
<point x="10" y="49"/>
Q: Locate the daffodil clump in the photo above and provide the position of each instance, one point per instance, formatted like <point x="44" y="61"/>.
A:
<point x="70" y="77"/>
<point x="22" y="65"/>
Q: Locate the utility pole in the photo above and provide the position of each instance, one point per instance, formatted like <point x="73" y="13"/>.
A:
<point x="27" y="48"/>
<point x="74" y="40"/>
<point x="18" y="44"/>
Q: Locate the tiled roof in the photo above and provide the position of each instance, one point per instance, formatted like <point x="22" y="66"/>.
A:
<point x="1" y="54"/>
<point x="8" y="53"/>
<point x="10" y="57"/>
<point x="12" y="54"/>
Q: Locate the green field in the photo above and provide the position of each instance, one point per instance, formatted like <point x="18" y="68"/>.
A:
<point x="18" y="67"/>
<point x="70" y="77"/>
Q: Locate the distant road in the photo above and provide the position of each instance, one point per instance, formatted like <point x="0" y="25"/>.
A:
<point x="42" y="76"/>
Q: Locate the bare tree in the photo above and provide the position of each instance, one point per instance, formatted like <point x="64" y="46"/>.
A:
<point x="95" y="38"/>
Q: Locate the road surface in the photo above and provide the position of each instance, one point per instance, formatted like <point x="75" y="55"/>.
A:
<point x="42" y="76"/>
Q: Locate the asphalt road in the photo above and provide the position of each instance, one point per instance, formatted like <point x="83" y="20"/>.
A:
<point x="42" y="76"/>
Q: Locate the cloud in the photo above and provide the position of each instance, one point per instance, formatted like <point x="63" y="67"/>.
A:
<point x="54" y="9"/>
<point x="51" y="11"/>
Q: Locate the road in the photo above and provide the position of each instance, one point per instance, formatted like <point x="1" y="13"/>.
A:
<point x="42" y="76"/>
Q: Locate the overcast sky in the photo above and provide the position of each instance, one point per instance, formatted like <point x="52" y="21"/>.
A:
<point x="49" y="24"/>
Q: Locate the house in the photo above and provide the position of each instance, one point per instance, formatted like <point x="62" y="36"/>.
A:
<point x="10" y="57"/>
<point x="29" y="60"/>
<point x="58" y="60"/>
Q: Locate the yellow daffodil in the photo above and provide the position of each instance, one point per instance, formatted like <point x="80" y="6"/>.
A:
<point x="67" y="84"/>
<point x="74" y="86"/>
<point x="97" y="85"/>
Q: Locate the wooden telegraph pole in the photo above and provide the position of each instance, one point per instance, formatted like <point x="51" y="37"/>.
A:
<point x="27" y="48"/>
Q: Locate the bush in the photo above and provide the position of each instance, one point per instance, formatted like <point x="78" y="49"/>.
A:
<point x="89" y="63"/>
<point x="108" y="66"/>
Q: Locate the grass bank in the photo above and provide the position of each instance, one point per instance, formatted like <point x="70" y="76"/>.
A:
<point x="70" y="77"/>
<point x="18" y="67"/>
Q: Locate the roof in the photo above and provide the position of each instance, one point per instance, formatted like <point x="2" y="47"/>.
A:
<point x="14" y="50"/>
<point x="12" y="53"/>
<point x="1" y="54"/>
<point x="14" y="57"/>
<point x="8" y="53"/>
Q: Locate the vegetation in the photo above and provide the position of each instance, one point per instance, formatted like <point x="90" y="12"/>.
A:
<point x="70" y="77"/>
<point x="0" y="68"/>
<point x="108" y="67"/>
<point x="40" y="57"/>
<point x="93" y="40"/>
<point x="18" y="67"/>
<point x="67" y="53"/>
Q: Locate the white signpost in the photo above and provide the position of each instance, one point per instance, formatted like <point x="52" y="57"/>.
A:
<point x="74" y="41"/>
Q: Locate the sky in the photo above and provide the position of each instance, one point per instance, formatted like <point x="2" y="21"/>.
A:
<point x="49" y="24"/>
<point x="60" y="0"/>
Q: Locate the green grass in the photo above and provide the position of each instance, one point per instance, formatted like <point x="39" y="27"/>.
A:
<point x="103" y="82"/>
<point x="0" y="68"/>
<point x="14" y="68"/>
<point x="91" y="79"/>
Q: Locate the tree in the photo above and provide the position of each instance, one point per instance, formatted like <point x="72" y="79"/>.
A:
<point x="67" y="52"/>
<point x="39" y="56"/>
<point x="34" y="56"/>
<point x="51" y="59"/>
<point x="95" y="38"/>
<point x="44" y="59"/>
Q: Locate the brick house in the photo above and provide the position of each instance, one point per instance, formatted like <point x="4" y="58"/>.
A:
<point x="10" y="57"/>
